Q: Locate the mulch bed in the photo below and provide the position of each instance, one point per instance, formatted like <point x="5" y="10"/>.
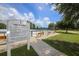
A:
<point x="2" y="37"/>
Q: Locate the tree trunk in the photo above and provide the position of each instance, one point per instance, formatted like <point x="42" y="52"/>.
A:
<point x="66" y="30"/>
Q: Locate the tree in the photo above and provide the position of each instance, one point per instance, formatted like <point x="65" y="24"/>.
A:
<point x="32" y="26"/>
<point x="2" y="26"/>
<point x="64" y="24"/>
<point x="59" y="25"/>
<point x="51" y="26"/>
<point x="70" y="14"/>
<point x="77" y="24"/>
<point x="70" y="10"/>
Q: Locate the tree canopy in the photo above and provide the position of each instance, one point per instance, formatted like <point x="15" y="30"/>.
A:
<point x="69" y="10"/>
<point x="51" y="25"/>
<point x="70" y="15"/>
<point x="2" y="26"/>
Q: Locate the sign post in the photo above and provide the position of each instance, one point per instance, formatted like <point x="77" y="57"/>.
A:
<point x="29" y="35"/>
<point x="18" y="30"/>
<point x="8" y="39"/>
<point x="8" y="44"/>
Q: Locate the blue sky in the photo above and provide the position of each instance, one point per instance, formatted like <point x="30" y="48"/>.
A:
<point x="39" y="13"/>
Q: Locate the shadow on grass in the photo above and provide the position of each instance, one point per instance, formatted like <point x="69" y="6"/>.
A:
<point x="21" y="51"/>
<point x="71" y="49"/>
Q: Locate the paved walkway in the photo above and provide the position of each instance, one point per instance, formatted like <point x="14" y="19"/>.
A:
<point x="77" y="32"/>
<point x="43" y="49"/>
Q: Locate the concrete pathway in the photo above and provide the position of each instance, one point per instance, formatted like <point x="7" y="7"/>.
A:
<point x="43" y="49"/>
<point x="77" y="32"/>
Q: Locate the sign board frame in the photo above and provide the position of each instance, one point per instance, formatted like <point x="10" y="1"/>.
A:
<point x="9" y="34"/>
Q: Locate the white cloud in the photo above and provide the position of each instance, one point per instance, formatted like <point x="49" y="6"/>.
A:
<point x="43" y="22"/>
<point x="46" y="20"/>
<point x="26" y="16"/>
<point x="39" y="23"/>
<point x="3" y="12"/>
<point x="2" y="9"/>
<point x="9" y="13"/>
<point x="12" y="13"/>
<point x="31" y="17"/>
<point x="15" y="14"/>
<point x="40" y="8"/>
<point x="52" y="7"/>
<point x="14" y="10"/>
<point x="47" y="3"/>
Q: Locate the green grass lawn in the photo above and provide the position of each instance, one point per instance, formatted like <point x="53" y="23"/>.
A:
<point x="21" y="51"/>
<point x="67" y="43"/>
